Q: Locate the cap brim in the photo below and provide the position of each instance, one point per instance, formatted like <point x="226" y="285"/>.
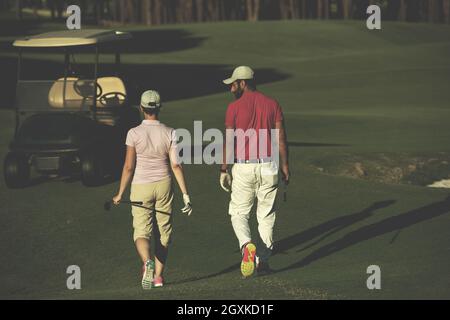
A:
<point x="151" y="107"/>
<point x="229" y="81"/>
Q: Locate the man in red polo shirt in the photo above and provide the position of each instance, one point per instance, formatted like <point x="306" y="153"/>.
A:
<point x="252" y="122"/>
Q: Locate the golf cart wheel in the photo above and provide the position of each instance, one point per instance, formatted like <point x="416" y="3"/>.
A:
<point x="16" y="170"/>
<point x="91" y="170"/>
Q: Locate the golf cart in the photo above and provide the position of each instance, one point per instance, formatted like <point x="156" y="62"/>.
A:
<point x="72" y="124"/>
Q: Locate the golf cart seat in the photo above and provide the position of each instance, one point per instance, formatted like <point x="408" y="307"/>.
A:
<point x="59" y="99"/>
<point x="111" y="94"/>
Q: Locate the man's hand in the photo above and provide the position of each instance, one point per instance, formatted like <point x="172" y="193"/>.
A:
<point x="225" y="181"/>
<point x="187" y="209"/>
<point x="116" y="199"/>
<point x="285" y="174"/>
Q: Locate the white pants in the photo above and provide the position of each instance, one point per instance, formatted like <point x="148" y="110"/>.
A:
<point x="250" y="181"/>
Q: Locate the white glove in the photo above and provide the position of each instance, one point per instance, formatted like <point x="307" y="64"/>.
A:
<point x="225" y="181"/>
<point x="187" y="209"/>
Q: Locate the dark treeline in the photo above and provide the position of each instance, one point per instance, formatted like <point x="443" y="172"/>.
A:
<point x="156" y="12"/>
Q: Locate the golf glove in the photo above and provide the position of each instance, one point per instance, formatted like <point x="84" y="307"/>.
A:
<point x="225" y="181"/>
<point x="187" y="209"/>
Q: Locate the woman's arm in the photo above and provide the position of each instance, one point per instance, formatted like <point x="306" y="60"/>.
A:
<point x="127" y="173"/>
<point x="179" y="175"/>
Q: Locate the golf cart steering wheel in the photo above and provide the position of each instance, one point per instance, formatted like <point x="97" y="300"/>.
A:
<point x="112" y="99"/>
<point x="85" y="88"/>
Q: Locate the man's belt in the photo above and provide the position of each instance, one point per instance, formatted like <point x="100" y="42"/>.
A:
<point x="262" y="160"/>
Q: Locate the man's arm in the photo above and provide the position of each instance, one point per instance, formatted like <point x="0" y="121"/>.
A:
<point x="229" y="139"/>
<point x="284" y="150"/>
<point x="228" y="150"/>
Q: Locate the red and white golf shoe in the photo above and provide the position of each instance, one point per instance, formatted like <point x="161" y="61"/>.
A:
<point x="248" y="260"/>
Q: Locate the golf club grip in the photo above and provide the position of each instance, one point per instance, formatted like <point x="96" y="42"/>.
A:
<point x="131" y="202"/>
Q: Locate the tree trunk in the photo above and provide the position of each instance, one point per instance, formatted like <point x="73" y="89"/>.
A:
<point x="402" y="11"/>
<point x="326" y="9"/>
<point x="213" y="10"/>
<point x="431" y="5"/>
<point x="157" y="12"/>
<point x="59" y="9"/>
<point x="35" y="4"/>
<point x="130" y="11"/>
<point x="319" y="9"/>
<point x="165" y="13"/>
<point x="189" y="11"/>
<point x="256" y="10"/>
<point x="435" y="10"/>
<point x="347" y="9"/>
<point x="179" y="8"/>
<point x="446" y="9"/>
<point x="122" y="11"/>
<point x="19" y="9"/>
<point x="199" y="10"/>
<point x="303" y="9"/>
<point x="293" y="5"/>
<point x="284" y="10"/>
<point x="234" y="8"/>
<point x="99" y="7"/>
<point x="392" y="10"/>
<point x="252" y="9"/>
<point x="108" y="12"/>
<point x="51" y="4"/>
<point x="184" y="11"/>
<point x="146" y="13"/>
<point x="115" y="10"/>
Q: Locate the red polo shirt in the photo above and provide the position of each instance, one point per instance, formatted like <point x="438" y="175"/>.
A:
<point x="256" y="114"/>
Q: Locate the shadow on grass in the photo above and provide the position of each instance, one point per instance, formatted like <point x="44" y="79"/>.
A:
<point x="322" y="231"/>
<point x="387" y="225"/>
<point x="157" y="41"/>
<point x="328" y="228"/>
<point x="173" y="81"/>
<point x="69" y="179"/>
<point x="395" y="223"/>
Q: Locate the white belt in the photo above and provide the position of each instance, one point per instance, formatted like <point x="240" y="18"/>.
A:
<point x="262" y="160"/>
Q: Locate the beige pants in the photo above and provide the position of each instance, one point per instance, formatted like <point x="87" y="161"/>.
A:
<point x="250" y="182"/>
<point x="158" y="196"/>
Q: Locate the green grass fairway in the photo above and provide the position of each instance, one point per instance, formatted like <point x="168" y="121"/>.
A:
<point x="344" y="90"/>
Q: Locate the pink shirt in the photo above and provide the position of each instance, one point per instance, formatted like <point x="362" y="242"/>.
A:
<point x="154" y="143"/>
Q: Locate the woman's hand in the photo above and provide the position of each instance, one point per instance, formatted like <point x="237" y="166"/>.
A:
<point x="116" y="199"/>
<point x="187" y="205"/>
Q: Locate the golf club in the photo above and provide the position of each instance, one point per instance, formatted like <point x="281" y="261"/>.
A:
<point x="285" y="185"/>
<point x="108" y="204"/>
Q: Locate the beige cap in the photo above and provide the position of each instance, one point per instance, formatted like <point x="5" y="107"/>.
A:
<point x="240" y="73"/>
<point x="150" y="99"/>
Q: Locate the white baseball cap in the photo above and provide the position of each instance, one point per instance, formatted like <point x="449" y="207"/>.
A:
<point x="240" y="73"/>
<point x="150" y="99"/>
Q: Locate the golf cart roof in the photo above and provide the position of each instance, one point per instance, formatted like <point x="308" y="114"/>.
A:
<point x="69" y="38"/>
